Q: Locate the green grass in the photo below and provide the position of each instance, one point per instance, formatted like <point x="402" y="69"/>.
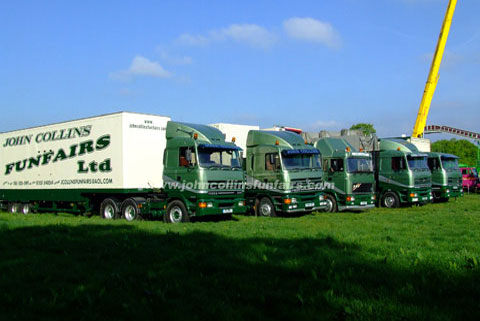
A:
<point x="420" y="263"/>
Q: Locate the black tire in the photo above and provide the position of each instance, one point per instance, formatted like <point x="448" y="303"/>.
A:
<point x="390" y="200"/>
<point x="13" y="208"/>
<point x="110" y="209"/>
<point x="26" y="209"/>
<point x="265" y="208"/>
<point x="176" y="213"/>
<point x="331" y="204"/>
<point x="130" y="210"/>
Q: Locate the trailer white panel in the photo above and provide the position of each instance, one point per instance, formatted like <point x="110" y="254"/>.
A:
<point x="240" y="132"/>
<point x="115" y="151"/>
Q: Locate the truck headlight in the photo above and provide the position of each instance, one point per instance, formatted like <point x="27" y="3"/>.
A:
<point x="209" y="204"/>
<point x="294" y="200"/>
<point x="374" y="197"/>
<point x="350" y="198"/>
<point x="241" y="203"/>
<point x="413" y="194"/>
<point x="321" y="198"/>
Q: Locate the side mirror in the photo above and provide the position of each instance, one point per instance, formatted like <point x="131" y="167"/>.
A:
<point x="188" y="156"/>
<point x="272" y="159"/>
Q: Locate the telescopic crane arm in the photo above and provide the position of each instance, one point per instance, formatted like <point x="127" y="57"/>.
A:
<point x="433" y="75"/>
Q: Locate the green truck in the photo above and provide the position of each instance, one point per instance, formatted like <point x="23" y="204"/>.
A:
<point x="283" y="173"/>
<point x="126" y="165"/>
<point x="402" y="174"/>
<point x="446" y="176"/>
<point x="349" y="173"/>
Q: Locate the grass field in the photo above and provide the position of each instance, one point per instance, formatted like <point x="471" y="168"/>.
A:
<point x="420" y="263"/>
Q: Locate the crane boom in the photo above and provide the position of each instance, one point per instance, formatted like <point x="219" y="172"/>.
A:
<point x="433" y="75"/>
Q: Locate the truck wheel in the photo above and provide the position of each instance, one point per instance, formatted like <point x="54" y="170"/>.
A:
<point x="12" y="208"/>
<point x="109" y="209"/>
<point x="265" y="208"/>
<point x="176" y="213"/>
<point x="390" y="200"/>
<point x="26" y="209"/>
<point x="130" y="210"/>
<point x="331" y="203"/>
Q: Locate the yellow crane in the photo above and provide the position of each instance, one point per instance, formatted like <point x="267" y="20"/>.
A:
<point x="433" y="75"/>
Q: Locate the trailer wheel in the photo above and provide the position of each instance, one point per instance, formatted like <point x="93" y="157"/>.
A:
<point x="26" y="209"/>
<point x="109" y="209"/>
<point x="265" y="208"/>
<point x="331" y="203"/>
<point x="176" y="213"/>
<point x="12" y="208"/>
<point x="130" y="210"/>
<point x="390" y="200"/>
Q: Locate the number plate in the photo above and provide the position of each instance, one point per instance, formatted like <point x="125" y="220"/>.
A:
<point x="363" y="203"/>
<point x="309" y="204"/>
<point x="227" y="210"/>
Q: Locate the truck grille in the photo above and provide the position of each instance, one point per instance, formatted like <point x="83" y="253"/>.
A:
<point x="362" y="187"/>
<point x="422" y="181"/>
<point x="225" y="185"/>
<point x="306" y="184"/>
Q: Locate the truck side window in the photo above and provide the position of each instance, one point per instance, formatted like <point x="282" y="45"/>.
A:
<point x="325" y="164"/>
<point x="433" y="164"/>
<point x="336" y="165"/>
<point x="186" y="157"/>
<point x="398" y="163"/>
<point x="272" y="162"/>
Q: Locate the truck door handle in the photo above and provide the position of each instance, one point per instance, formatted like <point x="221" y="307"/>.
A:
<point x="265" y="180"/>
<point x="179" y="178"/>
<point x="330" y="178"/>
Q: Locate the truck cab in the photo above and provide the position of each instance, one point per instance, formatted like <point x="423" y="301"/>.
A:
<point x="446" y="176"/>
<point x="348" y="174"/>
<point x="202" y="174"/>
<point x="402" y="174"/>
<point x="470" y="181"/>
<point x="284" y="174"/>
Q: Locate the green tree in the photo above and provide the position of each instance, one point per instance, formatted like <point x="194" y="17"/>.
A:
<point x="463" y="148"/>
<point x="367" y="129"/>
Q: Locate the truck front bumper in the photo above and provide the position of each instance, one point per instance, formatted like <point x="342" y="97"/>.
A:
<point x="304" y="203"/>
<point x="214" y="206"/>
<point x="359" y="202"/>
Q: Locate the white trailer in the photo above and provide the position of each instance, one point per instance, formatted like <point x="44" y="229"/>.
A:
<point x="240" y="132"/>
<point x="65" y="161"/>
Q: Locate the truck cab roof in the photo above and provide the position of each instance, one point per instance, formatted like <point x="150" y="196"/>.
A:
<point x="206" y="135"/>
<point x="337" y="147"/>
<point x="282" y="139"/>
<point x="442" y="155"/>
<point x="399" y="146"/>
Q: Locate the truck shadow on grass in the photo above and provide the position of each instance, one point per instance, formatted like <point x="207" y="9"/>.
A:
<point x="113" y="272"/>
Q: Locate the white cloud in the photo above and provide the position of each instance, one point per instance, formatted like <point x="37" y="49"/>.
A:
<point x="191" y="40"/>
<point x="312" y="30"/>
<point x="141" y="66"/>
<point x="173" y="59"/>
<point x="250" y="34"/>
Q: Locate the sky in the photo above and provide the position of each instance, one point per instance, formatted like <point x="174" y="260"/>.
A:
<point x="315" y="65"/>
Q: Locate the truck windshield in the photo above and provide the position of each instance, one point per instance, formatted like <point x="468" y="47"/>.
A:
<point x="450" y="163"/>
<point x="359" y="165"/>
<point x="301" y="161"/>
<point x="417" y="162"/>
<point x="218" y="158"/>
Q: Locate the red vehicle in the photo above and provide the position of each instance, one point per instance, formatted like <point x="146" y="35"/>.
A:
<point x="470" y="181"/>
